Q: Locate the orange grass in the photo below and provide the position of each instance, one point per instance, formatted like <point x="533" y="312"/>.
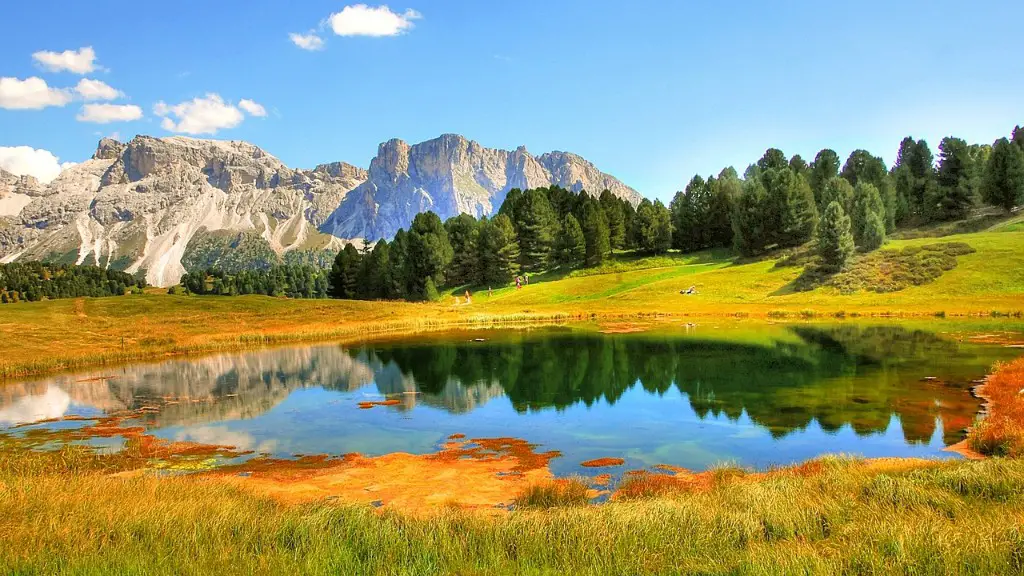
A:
<point x="1000" y="432"/>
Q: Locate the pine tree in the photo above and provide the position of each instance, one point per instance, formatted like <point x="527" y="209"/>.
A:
<point x="595" y="232"/>
<point x="873" y="235"/>
<point x="954" y="192"/>
<point x="801" y="215"/>
<point x="837" y="190"/>
<point x="749" y="235"/>
<point x="497" y="251"/>
<point x="824" y="168"/>
<point x="536" y="226"/>
<point x="835" y="242"/>
<point x="867" y="205"/>
<point x="615" y="217"/>
<point x="571" y="246"/>
<point x="344" y="276"/>
<point x="430" y="253"/>
<point x="1003" y="184"/>
<point x="462" y="234"/>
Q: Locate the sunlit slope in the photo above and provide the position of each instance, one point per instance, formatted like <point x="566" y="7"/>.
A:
<point x="991" y="279"/>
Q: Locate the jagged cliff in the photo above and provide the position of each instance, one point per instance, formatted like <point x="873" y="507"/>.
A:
<point x="450" y="175"/>
<point x="157" y="205"/>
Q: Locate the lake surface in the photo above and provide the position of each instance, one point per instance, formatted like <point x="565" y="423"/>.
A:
<point x="692" y="396"/>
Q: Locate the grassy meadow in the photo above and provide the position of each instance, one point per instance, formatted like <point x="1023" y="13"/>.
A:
<point x="74" y="511"/>
<point x="63" y="512"/>
<point x="63" y="334"/>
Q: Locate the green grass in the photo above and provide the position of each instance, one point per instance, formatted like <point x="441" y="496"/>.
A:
<point x="59" y="515"/>
<point x="63" y="334"/>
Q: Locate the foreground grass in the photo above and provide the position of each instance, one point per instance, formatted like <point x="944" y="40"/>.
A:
<point x="64" y="334"/>
<point x="59" y="513"/>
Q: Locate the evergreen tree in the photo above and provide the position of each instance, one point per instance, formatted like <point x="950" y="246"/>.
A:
<point x="801" y="215"/>
<point x="344" y="276"/>
<point x="824" y="168"/>
<point x="690" y="210"/>
<point x="867" y="207"/>
<point x="1017" y="136"/>
<point x="773" y="159"/>
<point x="462" y="235"/>
<point x="628" y="225"/>
<point x="662" y="228"/>
<point x="497" y="251"/>
<point x="724" y="191"/>
<point x="798" y="165"/>
<point x="595" y="232"/>
<point x="399" y="270"/>
<point x="862" y="166"/>
<point x="749" y="234"/>
<point x="562" y="201"/>
<point x="379" y="265"/>
<point x="571" y="246"/>
<point x="1003" y="184"/>
<point x="873" y="235"/>
<point x="838" y="190"/>
<point x="913" y="179"/>
<point x="954" y="194"/>
<point x="835" y="242"/>
<point x="536" y="226"/>
<point x="429" y="253"/>
<point x="614" y="215"/>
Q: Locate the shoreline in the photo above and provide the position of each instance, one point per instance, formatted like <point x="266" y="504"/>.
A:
<point x="345" y="332"/>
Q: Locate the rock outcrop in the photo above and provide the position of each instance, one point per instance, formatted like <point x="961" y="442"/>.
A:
<point x="451" y="175"/>
<point x="146" y="205"/>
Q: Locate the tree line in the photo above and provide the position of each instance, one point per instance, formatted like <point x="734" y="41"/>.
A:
<point x="784" y="202"/>
<point x="288" y="280"/>
<point x="534" y="230"/>
<point x="34" y="281"/>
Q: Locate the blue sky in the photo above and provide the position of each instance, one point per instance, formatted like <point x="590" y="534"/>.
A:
<point x="651" y="92"/>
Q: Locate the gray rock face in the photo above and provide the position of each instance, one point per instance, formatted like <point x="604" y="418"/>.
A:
<point x="450" y="175"/>
<point x="137" y="206"/>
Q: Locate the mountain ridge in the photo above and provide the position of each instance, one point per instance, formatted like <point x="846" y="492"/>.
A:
<point x="146" y="205"/>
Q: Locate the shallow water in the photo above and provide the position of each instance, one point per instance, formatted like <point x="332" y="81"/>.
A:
<point x="692" y="396"/>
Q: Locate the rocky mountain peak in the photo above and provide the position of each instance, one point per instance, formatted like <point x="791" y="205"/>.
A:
<point x="160" y="205"/>
<point x="108" y="149"/>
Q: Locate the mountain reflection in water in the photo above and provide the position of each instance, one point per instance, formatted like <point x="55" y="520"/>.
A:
<point x="782" y="379"/>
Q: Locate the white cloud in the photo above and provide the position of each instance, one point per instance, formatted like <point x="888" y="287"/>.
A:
<point x="30" y="94"/>
<point x="81" y="61"/>
<point x="96" y="90"/>
<point x="252" y="108"/>
<point x="362" y="20"/>
<point x="27" y="161"/>
<point x="309" y="41"/>
<point x="204" y="115"/>
<point x="107" y="113"/>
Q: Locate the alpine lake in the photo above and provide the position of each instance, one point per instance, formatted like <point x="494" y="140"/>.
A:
<point x="751" y="394"/>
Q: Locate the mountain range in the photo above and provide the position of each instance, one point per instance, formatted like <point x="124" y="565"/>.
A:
<point x="160" y="206"/>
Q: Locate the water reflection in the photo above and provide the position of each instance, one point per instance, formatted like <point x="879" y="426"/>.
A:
<point x="674" y="396"/>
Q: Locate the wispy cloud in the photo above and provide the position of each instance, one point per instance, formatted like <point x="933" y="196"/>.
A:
<point x="81" y="61"/>
<point x="310" y="41"/>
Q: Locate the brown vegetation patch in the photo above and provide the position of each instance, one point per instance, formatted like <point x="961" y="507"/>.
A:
<point x="458" y="436"/>
<point x="371" y="403"/>
<point x="1001" y="431"/>
<point x="603" y="462"/>
<point x="496" y="469"/>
